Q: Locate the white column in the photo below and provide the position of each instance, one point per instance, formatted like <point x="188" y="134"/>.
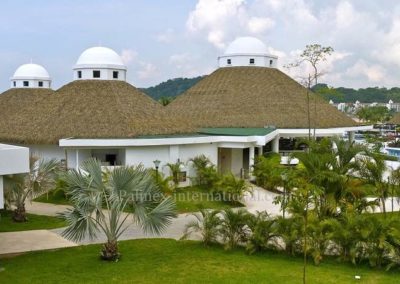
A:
<point x="275" y="145"/>
<point x="77" y="159"/>
<point x="251" y="158"/>
<point x="351" y="136"/>
<point x="260" y="151"/>
<point x="1" y="193"/>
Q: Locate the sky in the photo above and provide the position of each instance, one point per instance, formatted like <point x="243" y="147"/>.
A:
<point x="160" y="40"/>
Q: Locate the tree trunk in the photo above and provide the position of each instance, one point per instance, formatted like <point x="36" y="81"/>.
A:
<point x="19" y="214"/>
<point x="110" y="251"/>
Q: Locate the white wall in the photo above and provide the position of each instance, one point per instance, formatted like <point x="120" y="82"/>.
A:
<point x="83" y="155"/>
<point x="1" y="193"/>
<point x="146" y="155"/>
<point x="237" y="161"/>
<point x="47" y="151"/>
<point x="244" y="60"/>
<point x="13" y="159"/>
<point x="33" y="83"/>
<point x="105" y="74"/>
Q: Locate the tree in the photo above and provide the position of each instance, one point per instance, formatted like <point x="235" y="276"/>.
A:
<point x="175" y="169"/>
<point x="165" y="100"/>
<point x="234" y="229"/>
<point x="374" y="114"/>
<point x="372" y="169"/>
<point x="20" y="187"/>
<point x="268" y="171"/>
<point x="200" y="164"/>
<point x="124" y="192"/>
<point x="264" y="232"/>
<point x="207" y="224"/>
<point x="312" y="55"/>
<point x="232" y="188"/>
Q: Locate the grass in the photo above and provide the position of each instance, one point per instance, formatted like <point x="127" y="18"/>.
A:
<point x="188" y="199"/>
<point x="35" y="222"/>
<point x="170" y="261"/>
<point x="54" y="197"/>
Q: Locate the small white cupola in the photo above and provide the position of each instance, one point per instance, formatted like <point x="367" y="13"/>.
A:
<point x="247" y="51"/>
<point x="31" y="76"/>
<point x="99" y="63"/>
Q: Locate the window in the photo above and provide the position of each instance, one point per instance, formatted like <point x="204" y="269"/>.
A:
<point x="26" y="83"/>
<point x="40" y="84"/>
<point x="15" y="84"/>
<point x="182" y="176"/>
<point x="229" y="61"/>
<point x="251" y="60"/>
<point x="79" y="74"/>
<point x="115" y="74"/>
<point x="270" y="62"/>
<point x="96" y="74"/>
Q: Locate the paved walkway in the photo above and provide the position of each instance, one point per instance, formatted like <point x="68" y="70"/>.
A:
<point x="16" y="242"/>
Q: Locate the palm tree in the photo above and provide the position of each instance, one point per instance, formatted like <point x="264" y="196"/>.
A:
<point x="232" y="188"/>
<point x="175" y="169"/>
<point x="234" y="229"/>
<point x="200" y="164"/>
<point x="264" y="232"/>
<point x="20" y="187"/>
<point x="124" y="192"/>
<point x="207" y="223"/>
<point x="268" y="171"/>
<point x="372" y="169"/>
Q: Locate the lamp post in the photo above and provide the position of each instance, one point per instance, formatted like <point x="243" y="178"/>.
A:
<point x="156" y="164"/>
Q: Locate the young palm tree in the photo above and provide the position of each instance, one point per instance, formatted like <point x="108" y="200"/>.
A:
<point x="200" y="163"/>
<point x="372" y="169"/>
<point x="264" y="232"/>
<point x="21" y="187"/>
<point x="234" y="229"/>
<point x="124" y="192"/>
<point x="207" y="223"/>
<point x="175" y="169"/>
<point x="232" y="188"/>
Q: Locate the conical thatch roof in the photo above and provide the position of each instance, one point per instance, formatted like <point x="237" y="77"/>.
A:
<point x="22" y="112"/>
<point x="80" y="109"/>
<point x="253" y="97"/>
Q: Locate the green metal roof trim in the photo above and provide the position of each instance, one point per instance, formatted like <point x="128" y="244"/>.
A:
<point x="162" y="136"/>
<point x="237" y="131"/>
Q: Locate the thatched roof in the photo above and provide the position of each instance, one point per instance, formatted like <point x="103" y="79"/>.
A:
<point x="22" y="113"/>
<point x="80" y="109"/>
<point x="253" y="97"/>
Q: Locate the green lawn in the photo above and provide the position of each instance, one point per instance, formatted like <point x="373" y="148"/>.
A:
<point x="35" y="222"/>
<point x="55" y="197"/>
<point x="188" y="199"/>
<point x="170" y="261"/>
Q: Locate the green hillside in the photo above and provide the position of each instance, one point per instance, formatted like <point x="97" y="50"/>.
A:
<point x="364" y="95"/>
<point x="171" y="88"/>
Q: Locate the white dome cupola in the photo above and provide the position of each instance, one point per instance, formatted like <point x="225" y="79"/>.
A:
<point x="99" y="63"/>
<point x="247" y="51"/>
<point x="31" y="76"/>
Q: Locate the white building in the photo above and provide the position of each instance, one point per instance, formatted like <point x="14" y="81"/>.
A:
<point x="241" y="110"/>
<point x="31" y="76"/>
<point x="247" y="51"/>
<point x="13" y="160"/>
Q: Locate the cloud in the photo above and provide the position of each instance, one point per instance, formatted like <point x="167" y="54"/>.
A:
<point x="219" y="21"/>
<point x="147" y="71"/>
<point x="128" y="56"/>
<point x="373" y="72"/>
<point x="166" y="37"/>
<point x="258" y="25"/>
